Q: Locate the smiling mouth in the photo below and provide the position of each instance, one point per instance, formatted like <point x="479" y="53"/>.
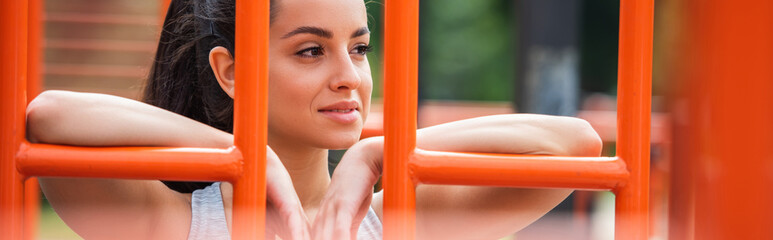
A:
<point x="343" y="112"/>
<point x="339" y="110"/>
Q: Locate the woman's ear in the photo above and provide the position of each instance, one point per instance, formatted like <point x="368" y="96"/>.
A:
<point x="222" y="64"/>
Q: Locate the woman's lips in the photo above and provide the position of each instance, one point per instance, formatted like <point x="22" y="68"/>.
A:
<point x="344" y="112"/>
<point x="343" y="116"/>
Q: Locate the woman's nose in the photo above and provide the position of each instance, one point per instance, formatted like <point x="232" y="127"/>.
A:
<point x="346" y="76"/>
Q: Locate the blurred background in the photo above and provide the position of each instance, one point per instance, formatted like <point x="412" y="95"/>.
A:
<point x="477" y="58"/>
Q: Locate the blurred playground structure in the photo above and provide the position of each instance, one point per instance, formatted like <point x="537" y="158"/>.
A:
<point x="711" y="151"/>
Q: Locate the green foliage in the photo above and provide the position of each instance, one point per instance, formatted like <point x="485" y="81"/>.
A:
<point x="467" y="50"/>
<point x="376" y="26"/>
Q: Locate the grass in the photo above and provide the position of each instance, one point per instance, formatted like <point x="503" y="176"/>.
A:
<point x="51" y="226"/>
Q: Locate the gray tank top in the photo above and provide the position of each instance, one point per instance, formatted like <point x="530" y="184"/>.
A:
<point x="208" y="218"/>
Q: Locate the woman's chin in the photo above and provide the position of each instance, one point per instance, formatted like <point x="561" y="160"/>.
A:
<point x="341" y="141"/>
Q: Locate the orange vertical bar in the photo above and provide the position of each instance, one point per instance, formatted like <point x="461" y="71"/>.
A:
<point x="13" y="73"/>
<point x="163" y="7"/>
<point x="401" y="34"/>
<point x="250" y="122"/>
<point x="727" y="74"/>
<point x="633" y="119"/>
<point x="31" y="208"/>
<point x="34" y="86"/>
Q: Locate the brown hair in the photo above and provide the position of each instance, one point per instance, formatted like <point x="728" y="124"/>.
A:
<point x="181" y="79"/>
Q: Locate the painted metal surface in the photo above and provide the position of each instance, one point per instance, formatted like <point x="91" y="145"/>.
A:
<point x="34" y="87"/>
<point x="251" y="117"/>
<point x="130" y="162"/>
<point x="401" y="38"/>
<point x="401" y="64"/>
<point x="13" y="76"/>
<point x="633" y="117"/>
<point x="596" y="173"/>
<point x="405" y="166"/>
<point x="242" y="164"/>
<point x="723" y="166"/>
<point x="31" y="208"/>
<point x="162" y="9"/>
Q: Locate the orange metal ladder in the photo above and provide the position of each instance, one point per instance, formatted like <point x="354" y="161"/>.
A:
<point x="405" y="166"/>
<point x="240" y="164"/>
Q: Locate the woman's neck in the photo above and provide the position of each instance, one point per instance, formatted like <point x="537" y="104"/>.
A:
<point x="308" y="168"/>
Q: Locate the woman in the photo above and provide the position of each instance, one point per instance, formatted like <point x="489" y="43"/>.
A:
<point x="319" y="97"/>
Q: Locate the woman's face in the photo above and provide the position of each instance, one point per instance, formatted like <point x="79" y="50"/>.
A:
<point x="319" y="77"/>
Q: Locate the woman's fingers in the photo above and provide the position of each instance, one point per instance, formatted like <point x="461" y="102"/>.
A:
<point x="343" y="226"/>
<point x="341" y="212"/>
<point x="284" y="215"/>
<point x="361" y="213"/>
<point x="297" y="225"/>
<point x="348" y="199"/>
<point x="290" y="224"/>
<point x="331" y="225"/>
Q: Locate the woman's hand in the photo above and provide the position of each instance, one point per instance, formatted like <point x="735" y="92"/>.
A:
<point x="350" y="192"/>
<point x="285" y="217"/>
<point x="284" y="214"/>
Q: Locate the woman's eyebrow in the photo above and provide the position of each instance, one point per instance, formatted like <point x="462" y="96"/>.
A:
<point x="310" y="30"/>
<point x="360" y="32"/>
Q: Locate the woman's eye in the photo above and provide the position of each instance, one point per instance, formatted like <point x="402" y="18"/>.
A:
<point x="311" y="52"/>
<point x="362" y="49"/>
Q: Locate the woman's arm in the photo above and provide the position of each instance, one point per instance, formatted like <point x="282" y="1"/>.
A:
<point x="92" y="119"/>
<point x="113" y="208"/>
<point x="133" y="209"/>
<point x="464" y="212"/>
<point x="491" y="212"/>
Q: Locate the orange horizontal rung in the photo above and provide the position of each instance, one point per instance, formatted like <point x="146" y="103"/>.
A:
<point x="371" y="132"/>
<point x="505" y="170"/>
<point x="196" y="164"/>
